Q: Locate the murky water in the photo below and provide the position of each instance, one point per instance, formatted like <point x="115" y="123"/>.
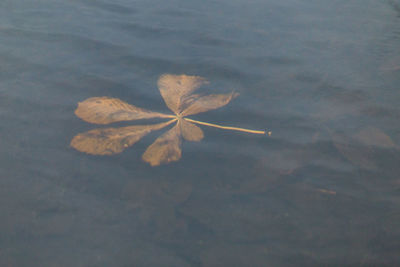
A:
<point x="322" y="190"/>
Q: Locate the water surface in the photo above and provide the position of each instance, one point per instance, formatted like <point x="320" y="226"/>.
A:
<point x="323" y="190"/>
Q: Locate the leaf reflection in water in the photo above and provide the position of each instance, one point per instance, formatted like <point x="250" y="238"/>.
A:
<point x="177" y="92"/>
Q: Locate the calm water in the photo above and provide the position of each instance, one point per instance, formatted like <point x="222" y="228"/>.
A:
<point x="323" y="190"/>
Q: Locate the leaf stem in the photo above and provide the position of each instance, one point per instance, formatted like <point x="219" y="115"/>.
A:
<point x="161" y="115"/>
<point x="226" y="127"/>
<point x="171" y="121"/>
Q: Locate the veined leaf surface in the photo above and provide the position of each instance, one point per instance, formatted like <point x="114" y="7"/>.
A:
<point x="104" y="110"/>
<point x="110" y="141"/>
<point x="177" y="92"/>
<point x="165" y="149"/>
<point x="175" y="89"/>
<point x="208" y="102"/>
<point x="190" y="131"/>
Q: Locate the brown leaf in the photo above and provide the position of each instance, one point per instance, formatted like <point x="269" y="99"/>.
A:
<point x="104" y="110"/>
<point x="112" y="140"/>
<point x="208" y="102"/>
<point x="190" y="131"/>
<point x="165" y="149"/>
<point x="176" y="89"/>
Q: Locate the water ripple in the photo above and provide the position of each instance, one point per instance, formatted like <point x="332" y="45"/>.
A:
<point x="108" y="6"/>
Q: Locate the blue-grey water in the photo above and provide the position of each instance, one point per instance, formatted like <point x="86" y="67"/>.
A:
<point x="322" y="190"/>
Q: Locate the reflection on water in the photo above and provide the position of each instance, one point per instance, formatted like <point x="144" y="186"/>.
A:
<point x="323" y="190"/>
<point x="177" y="91"/>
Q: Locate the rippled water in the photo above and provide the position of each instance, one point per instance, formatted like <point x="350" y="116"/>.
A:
<point x="323" y="190"/>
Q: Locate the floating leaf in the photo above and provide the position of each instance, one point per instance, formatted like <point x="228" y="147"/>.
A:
<point x="177" y="93"/>
<point x="112" y="140"/>
<point x="190" y="131"/>
<point x="207" y="103"/>
<point x="104" y="110"/>
<point x="176" y="89"/>
<point x="165" y="149"/>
